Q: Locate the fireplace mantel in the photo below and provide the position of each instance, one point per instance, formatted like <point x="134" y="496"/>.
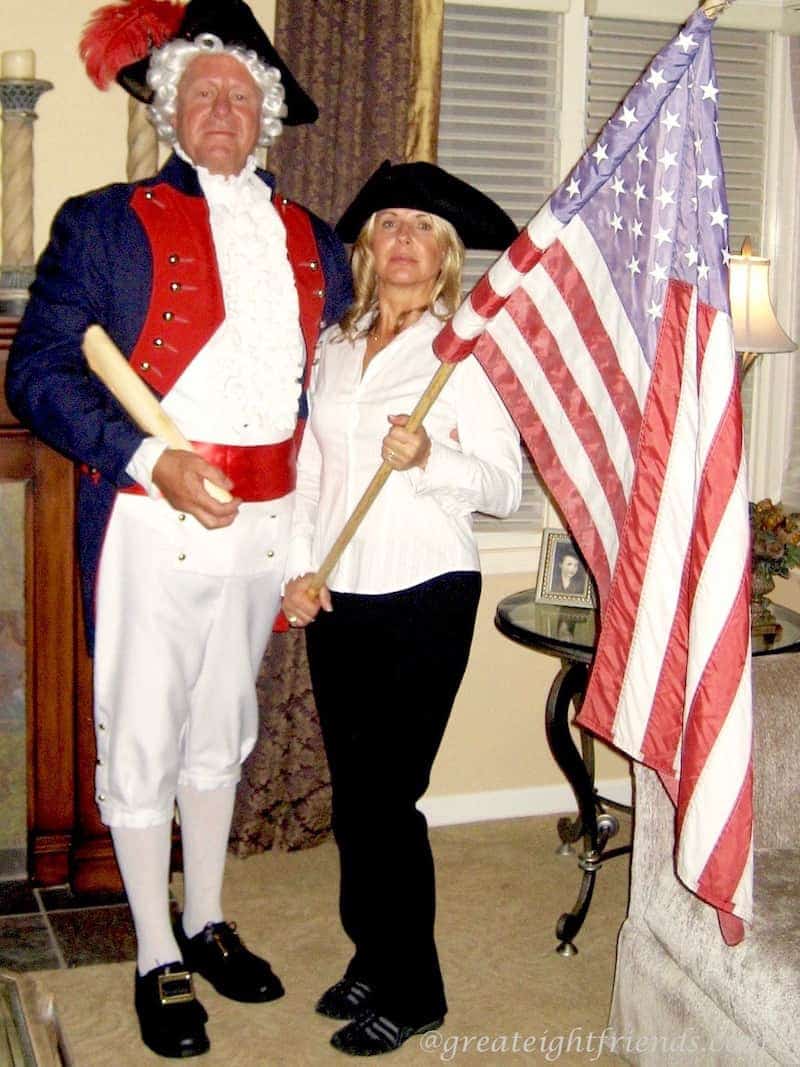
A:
<point x="67" y="843"/>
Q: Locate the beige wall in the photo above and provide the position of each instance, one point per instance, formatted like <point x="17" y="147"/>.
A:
<point x="79" y="140"/>
<point x="496" y="737"/>
<point x="787" y="591"/>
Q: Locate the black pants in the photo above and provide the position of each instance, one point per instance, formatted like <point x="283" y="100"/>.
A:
<point x="385" y="671"/>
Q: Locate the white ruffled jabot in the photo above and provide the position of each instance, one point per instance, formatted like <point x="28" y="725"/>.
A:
<point x="252" y="366"/>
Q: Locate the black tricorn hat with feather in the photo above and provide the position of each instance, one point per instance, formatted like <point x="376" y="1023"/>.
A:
<point x="119" y="38"/>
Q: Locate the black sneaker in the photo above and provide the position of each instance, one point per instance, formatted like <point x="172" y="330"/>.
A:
<point x="372" y="1035"/>
<point x="171" y="1020"/>
<point x="218" y="954"/>
<point x="345" y="999"/>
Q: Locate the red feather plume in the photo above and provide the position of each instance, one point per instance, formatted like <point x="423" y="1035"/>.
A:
<point x="120" y="34"/>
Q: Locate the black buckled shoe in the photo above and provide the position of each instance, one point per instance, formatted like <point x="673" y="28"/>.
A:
<point x="218" y="954"/>
<point x="371" y="1034"/>
<point x="345" y="999"/>
<point x="171" y="1020"/>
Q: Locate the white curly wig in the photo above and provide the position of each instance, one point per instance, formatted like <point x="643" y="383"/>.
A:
<point x="167" y="66"/>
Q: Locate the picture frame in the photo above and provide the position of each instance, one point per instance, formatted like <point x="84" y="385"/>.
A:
<point x="563" y="577"/>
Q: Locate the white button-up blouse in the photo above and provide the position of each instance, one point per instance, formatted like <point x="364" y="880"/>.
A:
<point x="420" y="525"/>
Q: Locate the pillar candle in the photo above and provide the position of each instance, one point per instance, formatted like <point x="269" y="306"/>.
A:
<point x="19" y="65"/>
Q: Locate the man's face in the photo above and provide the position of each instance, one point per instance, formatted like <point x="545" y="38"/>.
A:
<point x="218" y="113"/>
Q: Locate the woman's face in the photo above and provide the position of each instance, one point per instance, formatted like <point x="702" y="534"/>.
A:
<point x="569" y="567"/>
<point x="405" y="249"/>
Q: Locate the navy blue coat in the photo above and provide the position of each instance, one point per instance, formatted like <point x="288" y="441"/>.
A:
<point x="97" y="268"/>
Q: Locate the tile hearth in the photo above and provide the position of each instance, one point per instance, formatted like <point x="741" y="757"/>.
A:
<point x="46" y="929"/>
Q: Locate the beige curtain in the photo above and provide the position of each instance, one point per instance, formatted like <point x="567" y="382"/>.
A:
<point x="374" y="68"/>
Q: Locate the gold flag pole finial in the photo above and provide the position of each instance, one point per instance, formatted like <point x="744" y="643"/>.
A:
<point x="713" y="8"/>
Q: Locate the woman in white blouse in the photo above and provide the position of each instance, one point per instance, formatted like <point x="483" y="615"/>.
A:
<point x="389" y="649"/>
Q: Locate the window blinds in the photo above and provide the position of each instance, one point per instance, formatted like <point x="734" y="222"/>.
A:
<point x="499" y="130"/>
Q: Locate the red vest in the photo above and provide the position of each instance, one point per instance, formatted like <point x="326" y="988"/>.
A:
<point x="186" y="305"/>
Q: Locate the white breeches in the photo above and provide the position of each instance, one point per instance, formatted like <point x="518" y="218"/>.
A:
<point x="184" y="615"/>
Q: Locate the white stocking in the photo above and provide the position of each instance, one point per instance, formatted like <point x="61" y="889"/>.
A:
<point x="206" y="816"/>
<point x="143" y="858"/>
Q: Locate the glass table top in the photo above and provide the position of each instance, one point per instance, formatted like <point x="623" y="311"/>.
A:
<point x="571" y="631"/>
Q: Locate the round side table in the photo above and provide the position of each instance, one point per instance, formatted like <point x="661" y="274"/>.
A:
<point x="569" y="634"/>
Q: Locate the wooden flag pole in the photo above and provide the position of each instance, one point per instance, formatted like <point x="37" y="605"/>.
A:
<point x="424" y="404"/>
<point x="116" y="373"/>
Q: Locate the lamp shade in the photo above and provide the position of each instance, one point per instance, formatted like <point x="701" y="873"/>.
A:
<point x="755" y="327"/>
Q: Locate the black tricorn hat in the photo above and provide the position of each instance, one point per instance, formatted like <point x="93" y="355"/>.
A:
<point x="234" y="23"/>
<point x="477" y="219"/>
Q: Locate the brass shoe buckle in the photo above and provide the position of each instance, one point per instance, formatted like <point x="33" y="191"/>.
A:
<point x="176" y="987"/>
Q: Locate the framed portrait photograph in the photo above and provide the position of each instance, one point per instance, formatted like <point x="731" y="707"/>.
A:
<point x="563" y="576"/>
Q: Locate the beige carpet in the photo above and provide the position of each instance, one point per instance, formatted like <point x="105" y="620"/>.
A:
<point x="501" y="889"/>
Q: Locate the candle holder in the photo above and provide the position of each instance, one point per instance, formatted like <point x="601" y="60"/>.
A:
<point x="18" y="97"/>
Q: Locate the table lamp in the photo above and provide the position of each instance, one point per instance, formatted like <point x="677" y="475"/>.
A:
<point x="755" y="326"/>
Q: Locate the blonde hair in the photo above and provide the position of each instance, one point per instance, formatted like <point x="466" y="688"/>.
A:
<point x="446" y="289"/>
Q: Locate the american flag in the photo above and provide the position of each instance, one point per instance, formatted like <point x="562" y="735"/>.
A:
<point x="606" y="329"/>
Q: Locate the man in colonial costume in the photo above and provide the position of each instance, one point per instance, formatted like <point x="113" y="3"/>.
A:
<point x="215" y="289"/>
